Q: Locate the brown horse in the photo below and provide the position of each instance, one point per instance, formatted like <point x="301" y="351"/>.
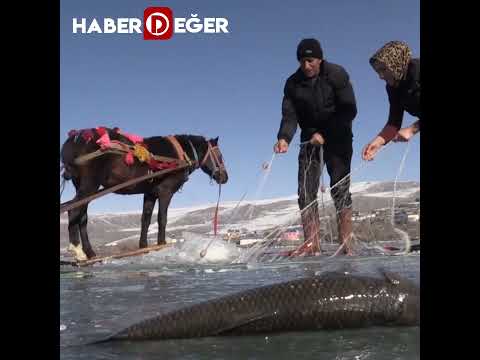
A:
<point x="111" y="169"/>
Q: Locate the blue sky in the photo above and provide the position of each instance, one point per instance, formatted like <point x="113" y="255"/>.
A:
<point x="229" y="85"/>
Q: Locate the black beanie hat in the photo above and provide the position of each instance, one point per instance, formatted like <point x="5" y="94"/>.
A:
<point x="309" y="48"/>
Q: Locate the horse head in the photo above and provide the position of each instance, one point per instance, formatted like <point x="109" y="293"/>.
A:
<point x="212" y="163"/>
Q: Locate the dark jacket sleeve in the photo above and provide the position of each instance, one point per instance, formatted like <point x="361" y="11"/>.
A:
<point x="288" y="125"/>
<point x="346" y="106"/>
<point x="395" y="116"/>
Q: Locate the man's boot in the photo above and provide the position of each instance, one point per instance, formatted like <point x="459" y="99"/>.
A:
<point x="345" y="231"/>
<point x="311" y="231"/>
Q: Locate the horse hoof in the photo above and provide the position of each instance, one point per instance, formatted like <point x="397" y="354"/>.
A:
<point x="77" y="251"/>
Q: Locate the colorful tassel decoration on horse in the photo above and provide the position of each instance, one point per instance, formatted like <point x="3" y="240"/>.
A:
<point x="72" y="133"/>
<point x="87" y="135"/>
<point x="129" y="160"/>
<point x="141" y="153"/>
<point x="101" y="131"/>
<point x="132" y="137"/>
<point x="104" y="141"/>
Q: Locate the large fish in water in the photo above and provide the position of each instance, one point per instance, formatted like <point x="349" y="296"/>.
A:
<point x="329" y="301"/>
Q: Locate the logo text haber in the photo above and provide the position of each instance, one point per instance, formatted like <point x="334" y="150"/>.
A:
<point x="131" y="25"/>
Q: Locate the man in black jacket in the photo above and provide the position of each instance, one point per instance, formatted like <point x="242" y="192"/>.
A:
<point x="319" y="98"/>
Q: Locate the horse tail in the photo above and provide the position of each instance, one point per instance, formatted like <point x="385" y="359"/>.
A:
<point x="67" y="156"/>
<point x="67" y="173"/>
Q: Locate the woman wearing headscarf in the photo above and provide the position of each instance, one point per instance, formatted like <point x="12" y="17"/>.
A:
<point x="394" y="64"/>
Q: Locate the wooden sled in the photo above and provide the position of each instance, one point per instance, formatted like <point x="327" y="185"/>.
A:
<point x="116" y="256"/>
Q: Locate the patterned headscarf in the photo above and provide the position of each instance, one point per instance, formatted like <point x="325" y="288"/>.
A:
<point x="395" y="56"/>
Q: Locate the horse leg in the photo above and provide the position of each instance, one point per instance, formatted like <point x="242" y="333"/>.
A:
<point x="87" y="247"/>
<point x="148" y="205"/>
<point x="77" y="223"/>
<point x="163" y="203"/>
<point x="74" y="227"/>
<point x="73" y="234"/>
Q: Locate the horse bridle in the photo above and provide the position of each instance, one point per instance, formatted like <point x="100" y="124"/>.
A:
<point x="213" y="152"/>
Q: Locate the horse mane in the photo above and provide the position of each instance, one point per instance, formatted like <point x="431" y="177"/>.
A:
<point x="199" y="142"/>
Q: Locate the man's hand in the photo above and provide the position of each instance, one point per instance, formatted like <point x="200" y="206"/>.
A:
<point x="407" y="133"/>
<point x="317" y="139"/>
<point x="371" y="149"/>
<point x="280" y="147"/>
